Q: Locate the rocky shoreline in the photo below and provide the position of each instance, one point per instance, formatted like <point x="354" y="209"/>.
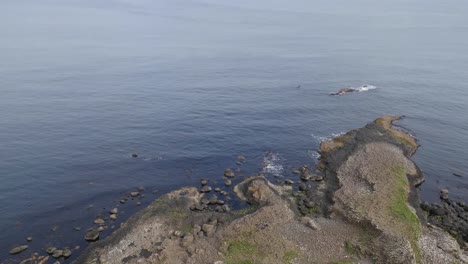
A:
<point x="359" y="205"/>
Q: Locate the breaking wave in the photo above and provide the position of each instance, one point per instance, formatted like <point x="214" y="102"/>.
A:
<point x="272" y="164"/>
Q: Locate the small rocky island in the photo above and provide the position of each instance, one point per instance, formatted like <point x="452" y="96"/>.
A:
<point x="361" y="205"/>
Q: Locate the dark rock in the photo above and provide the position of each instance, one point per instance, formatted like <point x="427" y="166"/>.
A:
<point x="92" y="235"/>
<point x="205" y="189"/>
<point x="344" y="91"/>
<point x="289" y="182"/>
<point x="228" y="173"/>
<point x="203" y="181"/>
<point x="457" y="175"/>
<point x="18" y="249"/>
<point x="134" y="155"/>
<point x="50" y="250"/>
<point x="302" y="186"/>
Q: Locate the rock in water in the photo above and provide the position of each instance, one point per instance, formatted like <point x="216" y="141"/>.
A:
<point x="18" y="250"/>
<point x="203" y="181"/>
<point x="344" y="91"/>
<point x="444" y="194"/>
<point x="134" y="194"/>
<point x="99" y="221"/>
<point x="227" y="182"/>
<point x="114" y="211"/>
<point x="57" y="253"/>
<point x="228" y="173"/>
<point x="92" y="235"/>
<point x="205" y="189"/>
<point x="134" y="155"/>
<point x="67" y="253"/>
<point x="50" y="250"/>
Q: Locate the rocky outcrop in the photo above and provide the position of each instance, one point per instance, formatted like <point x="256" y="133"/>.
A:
<point x="363" y="209"/>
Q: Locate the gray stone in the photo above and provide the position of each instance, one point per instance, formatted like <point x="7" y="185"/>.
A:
<point x="444" y="194"/>
<point x="50" y="250"/>
<point x="205" y="189"/>
<point x="57" y="253"/>
<point x="227" y="182"/>
<point x="228" y="173"/>
<point x="99" y="221"/>
<point x="67" y="253"/>
<point x="92" y="235"/>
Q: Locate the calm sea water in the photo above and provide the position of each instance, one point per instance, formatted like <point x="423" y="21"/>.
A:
<point x="190" y="85"/>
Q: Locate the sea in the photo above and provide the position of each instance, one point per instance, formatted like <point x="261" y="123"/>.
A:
<point x="190" y="85"/>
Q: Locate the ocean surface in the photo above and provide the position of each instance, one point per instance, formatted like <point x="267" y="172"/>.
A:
<point x="190" y="85"/>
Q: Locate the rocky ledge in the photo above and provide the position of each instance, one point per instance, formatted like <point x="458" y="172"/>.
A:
<point x="363" y="207"/>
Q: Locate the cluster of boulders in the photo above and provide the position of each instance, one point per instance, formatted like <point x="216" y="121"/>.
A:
<point x="212" y="203"/>
<point x="450" y="215"/>
<point x="133" y="195"/>
<point x="59" y="253"/>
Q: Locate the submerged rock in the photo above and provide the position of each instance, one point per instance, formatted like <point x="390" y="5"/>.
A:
<point x="18" y="249"/>
<point x="229" y="173"/>
<point x="444" y="194"/>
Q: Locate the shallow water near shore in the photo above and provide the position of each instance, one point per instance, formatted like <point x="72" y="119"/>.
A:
<point x="189" y="86"/>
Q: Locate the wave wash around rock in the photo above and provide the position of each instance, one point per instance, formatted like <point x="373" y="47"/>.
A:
<point x="365" y="211"/>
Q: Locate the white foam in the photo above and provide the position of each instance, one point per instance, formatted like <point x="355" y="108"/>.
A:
<point x="273" y="164"/>
<point x="313" y="154"/>
<point x="364" y="88"/>
<point x="321" y="139"/>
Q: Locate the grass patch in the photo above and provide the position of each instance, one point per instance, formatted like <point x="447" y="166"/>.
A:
<point x="178" y="213"/>
<point x="399" y="210"/>
<point x="289" y="256"/>
<point x="241" y="252"/>
<point x="351" y="249"/>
